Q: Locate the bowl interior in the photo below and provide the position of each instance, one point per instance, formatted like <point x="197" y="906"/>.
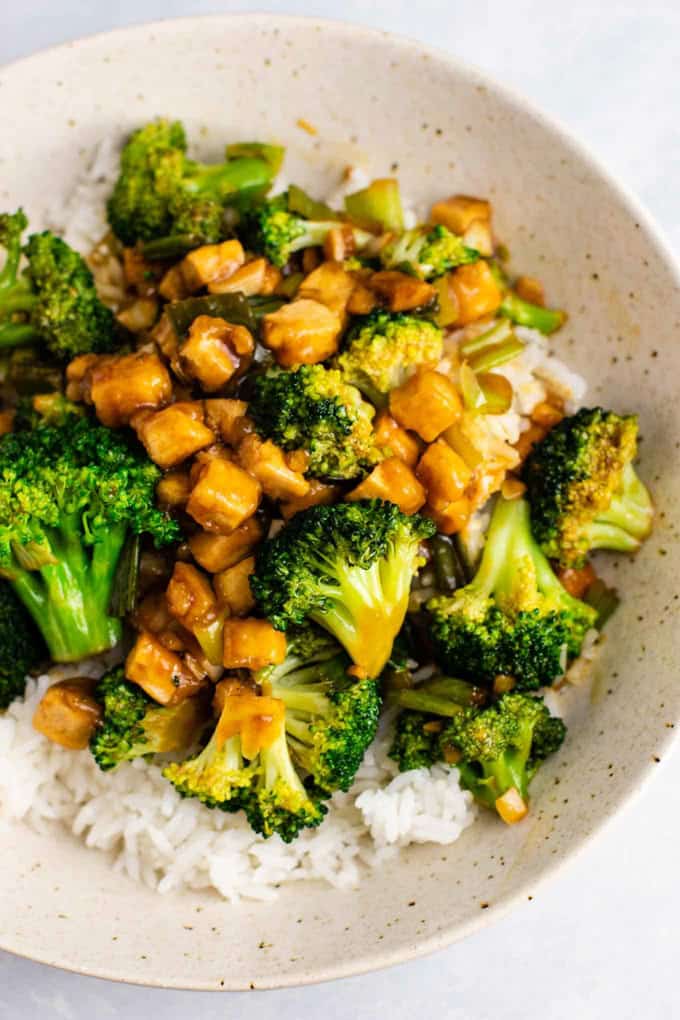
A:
<point x="394" y="107"/>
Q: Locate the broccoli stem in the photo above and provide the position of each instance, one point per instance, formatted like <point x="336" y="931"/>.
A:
<point x="17" y="334"/>
<point x="69" y="599"/>
<point x="523" y="313"/>
<point x="238" y="178"/>
<point x="424" y="701"/>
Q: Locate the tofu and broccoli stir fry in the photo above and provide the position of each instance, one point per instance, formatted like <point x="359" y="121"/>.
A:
<point x="270" y="475"/>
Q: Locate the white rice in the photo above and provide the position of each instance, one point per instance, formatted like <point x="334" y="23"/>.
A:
<point x="138" y="819"/>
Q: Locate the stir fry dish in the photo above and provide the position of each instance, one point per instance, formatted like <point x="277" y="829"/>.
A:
<point x="287" y="482"/>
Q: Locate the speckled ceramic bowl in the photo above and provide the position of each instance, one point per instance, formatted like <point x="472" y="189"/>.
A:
<point x="394" y="105"/>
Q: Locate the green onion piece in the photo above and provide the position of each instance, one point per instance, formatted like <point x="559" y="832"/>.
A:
<point x="290" y="285"/>
<point x="497" y="334"/>
<point x="496" y="392"/>
<point x="603" y="599"/>
<point x="447" y="306"/>
<point x="175" y="246"/>
<point x="303" y="204"/>
<point x="379" y="203"/>
<point x="460" y="691"/>
<point x="421" y="701"/>
<point x="449" y="571"/>
<point x="126" y="581"/>
<point x="523" y="313"/>
<point x="235" y="308"/>
<point x="496" y="355"/>
<point x="473" y="397"/>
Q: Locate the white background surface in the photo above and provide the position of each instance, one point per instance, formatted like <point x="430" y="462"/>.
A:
<point x="603" y="940"/>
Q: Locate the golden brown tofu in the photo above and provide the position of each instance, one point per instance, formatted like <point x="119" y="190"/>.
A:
<point x="451" y="518"/>
<point x="401" y="292"/>
<point x="233" y="588"/>
<point x="173" y="489"/>
<point x="478" y="236"/>
<point x="78" y="376"/>
<point x="68" y="714"/>
<point x="331" y="285"/>
<point x="153" y="615"/>
<point x="362" y="300"/>
<point x="459" y="211"/>
<point x="140" y="275"/>
<point x="391" y="480"/>
<point x="215" y="351"/>
<point x="173" y="286"/>
<point x="476" y="292"/>
<point x="218" y="552"/>
<point x="266" y="462"/>
<point x="119" y="386"/>
<point x="252" y="644"/>
<point x="530" y="289"/>
<point x="249" y="279"/>
<point x="139" y="316"/>
<point x="160" y="672"/>
<point x="443" y="472"/>
<point x="318" y="494"/>
<point x="428" y="403"/>
<point x="190" y="597"/>
<point x="223" y="497"/>
<point x="173" y="434"/>
<point x="392" y="438"/>
<point x="228" y="419"/>
<point x="303" y="332"/>
<point x="211" y="262"/>
<point x="165" y="337"/>
<point x="6" y="422"/>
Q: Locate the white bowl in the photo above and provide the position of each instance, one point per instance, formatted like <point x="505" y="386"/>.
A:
<point x="396" y="106"/>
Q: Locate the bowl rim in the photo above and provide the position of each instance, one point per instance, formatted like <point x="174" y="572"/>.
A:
<point x="552" y="125"/>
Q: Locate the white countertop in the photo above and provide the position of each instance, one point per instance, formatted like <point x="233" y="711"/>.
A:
<point x="602" y="940"/>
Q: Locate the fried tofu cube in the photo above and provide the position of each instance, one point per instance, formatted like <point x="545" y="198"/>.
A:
<point x="250" y="279"/>
<point x="190" y="597"/>
<point x="443" y="472"/>
<point x="160" y="672"/>
<point x="393" y="481"/>
<point x="428" y="403"/>
<point x="252" y="644"/>
<point x="459" y="211"/>
<point x="214" y="351"/>
<point x="303" y="332"/>
<point x="331" y="285"/>
<point x="121" y="386"/>
<point x="67" y="714"/>
<point x="476" y="292"/>
<point x="211" y="262"/>
<point x="173" y="434"/>
<point x="397" y="441"/>
<point x="401" y="292"/>
<point x="174" y="489"/>
<point x="223" y="497"/>
<point x="173" y="286"/>
<point x="233" y="587"/>
<point x="228" y="419"/>
<point x="266" y="462"/>
<point x="451" y="518"/>
<point x="318" y="494"/>
<point x="218" y="552"/>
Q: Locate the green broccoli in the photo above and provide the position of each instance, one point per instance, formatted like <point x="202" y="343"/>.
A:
<point x="45" y="409"/>
<point x="427" y="252"/>
<point x="502" y="746"/>
<point x="514" y="618"/>
<point x="160" y="192"/>
<point x="425" y="709"/>
<point x="219" y="776"/>
<point x="346" y="567"/>
<point x="69" y="497"/>
<point x="382" y="350"/>
<point x="133" y="725"/>
<point x="54" y="300"/>
<point x="331" y="718"/>
<point x="21" y="646"/>
<point x="278" y="801"/>
<point x="524" y="313"/>
<point x="583" y="489"/>
<point x="314" y="409"/>
<point x="272" y="229"/>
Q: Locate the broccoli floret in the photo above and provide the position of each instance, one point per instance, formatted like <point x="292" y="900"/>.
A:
<point x="416" y="741"/>
<point x="583" y="489"/>
<point x="347" y="567"/>
<point x="427" y="252"/>
<point x="69" y="497"/>
<point x="21" y="646"/>
<point x="54" y="300"/>
<point x="133" y="725"/>
<point x="502" y="746"/>
<point x="383" y="350"/>
<point x="331" y="718"/>
<point x="45" y="409"/>
<point x="314" y="409"/>
<point x="514" y="618"/>
<point x="271" y="229"/>
<point x="219" y="776"/>
<point x="278" y="802"/>
<point x="161" y="192"/>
